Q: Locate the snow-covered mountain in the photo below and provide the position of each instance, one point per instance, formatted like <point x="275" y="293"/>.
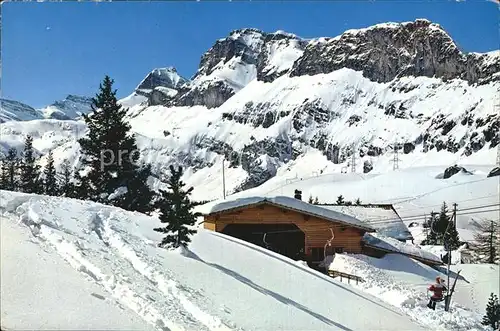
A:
<point x="11" y="110"/>
<point x="69" y="108"/>
<point x="268" y="103"/>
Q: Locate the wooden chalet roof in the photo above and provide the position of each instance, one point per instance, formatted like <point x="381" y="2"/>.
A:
<point x="293" y="205"/>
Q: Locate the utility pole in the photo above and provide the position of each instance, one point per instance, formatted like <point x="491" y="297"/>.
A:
<point x="223" y="178"/>
<point x="353" y="160"/>
<point x="498" y="155"/>
<point x="395" y="158"/>
<point x="452" y="223"/>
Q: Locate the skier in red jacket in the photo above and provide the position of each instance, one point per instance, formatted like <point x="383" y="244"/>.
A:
<point x="438" y="290"/>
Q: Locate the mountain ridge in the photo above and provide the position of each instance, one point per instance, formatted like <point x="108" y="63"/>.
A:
<point x="262" y="126"/>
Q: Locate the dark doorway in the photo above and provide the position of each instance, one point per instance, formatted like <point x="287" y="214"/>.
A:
<point x="285" y="239"/>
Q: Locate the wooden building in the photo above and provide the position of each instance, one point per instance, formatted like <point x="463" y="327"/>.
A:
<point x="288" y="226"/>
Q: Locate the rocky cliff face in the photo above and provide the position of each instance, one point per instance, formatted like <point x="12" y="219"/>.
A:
<point x="233" y="62"/>
<point x="387" y="51"/>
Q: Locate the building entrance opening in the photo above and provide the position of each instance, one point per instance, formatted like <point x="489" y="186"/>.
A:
<point x="285" y="239"/>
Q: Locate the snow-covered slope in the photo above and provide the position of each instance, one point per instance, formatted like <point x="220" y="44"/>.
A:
<point x="115" y="254"/>
<point x="402" y="282"/>
<point x="41" y="291"/>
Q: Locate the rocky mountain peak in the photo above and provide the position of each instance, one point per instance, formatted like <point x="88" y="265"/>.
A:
<point x="165" y="77"/>
<point x="161" y="85"/>
<point x="233" y="62"/>
<point x="243" y="44"/>
<point x="389" y="50"/>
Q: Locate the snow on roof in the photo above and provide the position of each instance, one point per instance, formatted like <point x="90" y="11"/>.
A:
<point x="385" y="220"/>
<point x="393" y="245"/>
<point x="292" y="203"/>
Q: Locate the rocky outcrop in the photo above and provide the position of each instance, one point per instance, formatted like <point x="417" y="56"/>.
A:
<point x="209" y="94"/>
<point x="453" y="170"/>
<point x="494" y="172"/>
<point x="386" y="51"/>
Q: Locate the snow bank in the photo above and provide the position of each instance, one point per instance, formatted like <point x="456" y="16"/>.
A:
<point x="204" y="289"/>
<point x="393" y="245"/>
<point x="41" y="291"/>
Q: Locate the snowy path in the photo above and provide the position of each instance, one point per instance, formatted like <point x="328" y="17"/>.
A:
<point x="403" y="282"/>
<point x="42" y="292"/>
<point x="134" y="288"/>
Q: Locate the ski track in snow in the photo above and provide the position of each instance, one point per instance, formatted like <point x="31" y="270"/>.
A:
<point x="169" y="309"/>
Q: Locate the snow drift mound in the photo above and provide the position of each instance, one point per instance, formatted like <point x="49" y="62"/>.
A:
<point x="221" y="283"/>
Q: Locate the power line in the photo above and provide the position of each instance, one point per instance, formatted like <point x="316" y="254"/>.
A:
<point x="440" y="204"/>
<point x="416" y="217"/>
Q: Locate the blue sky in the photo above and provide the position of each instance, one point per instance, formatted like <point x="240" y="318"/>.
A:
<point x="50" y="50"/>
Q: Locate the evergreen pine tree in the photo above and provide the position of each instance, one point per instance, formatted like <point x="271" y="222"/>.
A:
<point x="111" y="154"/>
<point x="441" y="224"/>
<point x="486" y="243"/>
<point x="66" y="186"/>
<point x="451" y="237"/>
<point x="316" y="201"/>
<point x="492" y="316"/>
<point x="11" y="170"/>
<point x="432" y="234"/>
<point x="50" y="181"/>
<point x="358" y="202"/>
<point x="311" y="200"/>
<point x="176" y="211"/>
<point x="81" y="187"/>
<point x="30" y="171"/>
<point x="4" y="174"/>
<point x="340" y="200"/>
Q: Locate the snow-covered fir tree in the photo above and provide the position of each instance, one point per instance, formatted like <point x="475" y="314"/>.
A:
<point x="50" y="186"/>
<point x="176" y="212"/>
<point x="451" y="238"/>
<point x="64" y="179"/>
<point x="30" y="181"/>
<point x="432" y="234"/>
<point x="486" y="245"/>
<point x="9" y="173"/>
<point x="111" y="155"/>
<point x="492" y="316"/>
